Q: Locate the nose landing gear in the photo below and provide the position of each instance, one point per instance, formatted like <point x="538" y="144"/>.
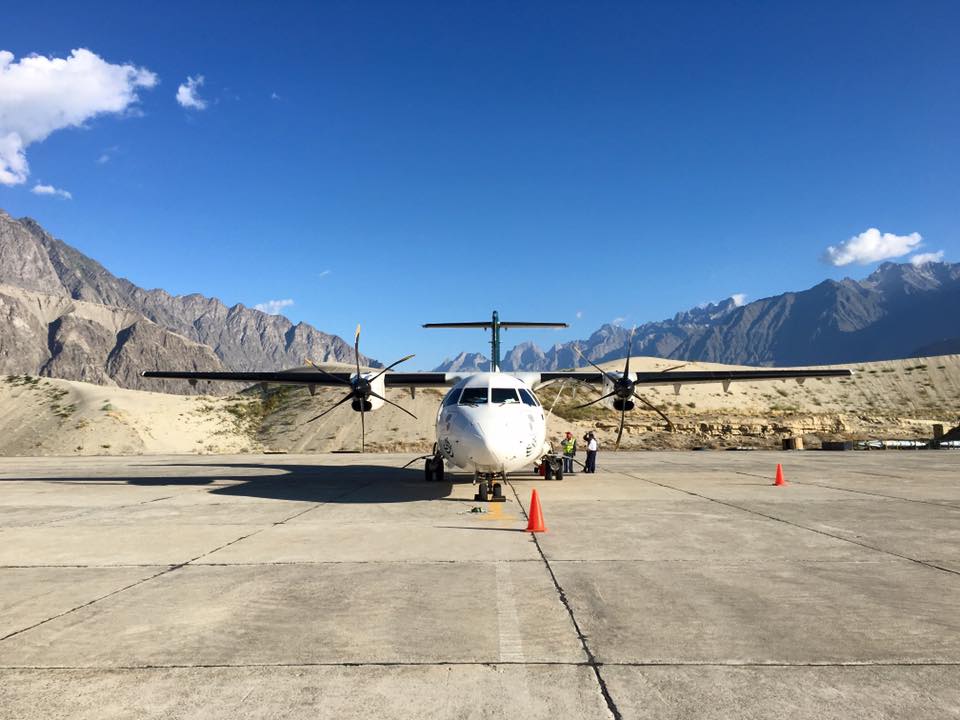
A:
<point x="487" y="489"/>
<point x="433" y="469"/>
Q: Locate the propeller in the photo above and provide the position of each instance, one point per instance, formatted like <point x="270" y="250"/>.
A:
<point x="361" y="389"/>
<point x="624" y="389"/>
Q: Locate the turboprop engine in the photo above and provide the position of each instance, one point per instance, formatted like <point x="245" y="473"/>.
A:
<point x="369" y="389"/>
<point x="618" y="392"/>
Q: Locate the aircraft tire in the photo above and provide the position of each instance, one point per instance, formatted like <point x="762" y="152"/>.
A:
<point x="548" y="473"/>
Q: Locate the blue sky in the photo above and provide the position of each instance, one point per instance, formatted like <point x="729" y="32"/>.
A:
<point x="400" y="163"/>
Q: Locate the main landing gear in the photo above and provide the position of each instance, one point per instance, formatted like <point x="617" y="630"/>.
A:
<point x="433" y="469"/>
<point x="552" y="467"/>
<point x="487" y="489"/>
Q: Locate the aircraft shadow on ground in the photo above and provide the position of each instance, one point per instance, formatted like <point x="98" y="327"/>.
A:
<point x="354" y="484"/>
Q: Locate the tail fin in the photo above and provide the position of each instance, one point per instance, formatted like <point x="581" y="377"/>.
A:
<point x="494" y="324"/>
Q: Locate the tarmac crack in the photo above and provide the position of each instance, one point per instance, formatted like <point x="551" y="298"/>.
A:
<point x="796" y="525"/>
<point x="591" y="658"/>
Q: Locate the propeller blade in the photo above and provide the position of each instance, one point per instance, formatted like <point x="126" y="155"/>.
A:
<point x="363" y="428"/>
<point x="391" y="402"/>
<point x="620" y="431"/>
<point x="657" y="410"/>
<point x="593" y="402"/>
<point x="609" y="376"/>
<point x="334" y="377"/>
<point x="626" y="367"/>
<point x="675" y="367"/>
<point x="356" y="348"/>
<point x="345" y="398"/>
<point x="390" y="367"/>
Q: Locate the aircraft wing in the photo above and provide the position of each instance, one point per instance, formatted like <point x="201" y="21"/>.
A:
<point x="309" y="377"/>
<point x="689" y="377"/>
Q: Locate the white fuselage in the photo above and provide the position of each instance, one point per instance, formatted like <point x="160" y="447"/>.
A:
<point x="491" y="423"/>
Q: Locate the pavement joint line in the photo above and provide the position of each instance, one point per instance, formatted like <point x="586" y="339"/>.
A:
<point x="171" y="568"/>
<point x="858" y="492"/>
<point x="591" y="658"/>
<point x="496" y="663"/>
<point x="470" y="561"/>
<point x="89" y="511"/>
<point x="798" y="525"/>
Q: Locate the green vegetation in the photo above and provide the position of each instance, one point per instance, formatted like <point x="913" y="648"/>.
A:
<point x="22" y="380"/>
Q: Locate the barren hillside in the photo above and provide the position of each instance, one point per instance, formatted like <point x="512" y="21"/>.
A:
<point x="892" y="399"/>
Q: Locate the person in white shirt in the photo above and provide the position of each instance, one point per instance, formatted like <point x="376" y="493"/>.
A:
<point x="592" y="447"/>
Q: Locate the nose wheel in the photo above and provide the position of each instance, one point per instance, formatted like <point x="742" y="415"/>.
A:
<point x="433" y="469"/>
<point x="488" y="491"/>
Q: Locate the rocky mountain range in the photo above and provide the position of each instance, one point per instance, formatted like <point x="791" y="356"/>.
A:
<point x="65" y="315"/>
<point x="899" y="311"/>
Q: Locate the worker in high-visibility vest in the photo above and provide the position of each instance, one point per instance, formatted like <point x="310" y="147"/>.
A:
<point x="569" y="447"/>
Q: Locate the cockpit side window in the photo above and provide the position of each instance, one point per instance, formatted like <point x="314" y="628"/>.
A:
<point x="528" y="397"/>
<point x="452" y="397"/>
<point x="503" y="395"/>
<point x="474" y="396"/>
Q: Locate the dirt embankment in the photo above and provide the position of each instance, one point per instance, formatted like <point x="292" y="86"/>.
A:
<point x="894" y="399"/>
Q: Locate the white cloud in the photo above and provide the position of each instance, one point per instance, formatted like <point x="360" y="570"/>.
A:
<point x="739" y="299"/>
<point x="872" y="246"/>
<point x="324" y="273"/>
<point x="39" y="95"/>
<point x="274" y="96"/>
<point x="924" y="258"/>
<point x="273" y="307"/>
<point x="579" y="314"/>
<point x="188" y="94"/>
<point x="618" y="321"/>
<point x="50" y="190"/>
<point x="103" y="159"/>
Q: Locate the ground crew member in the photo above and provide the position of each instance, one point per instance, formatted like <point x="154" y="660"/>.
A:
<point x="592" y="447"/>
<point x="569" y="447"/>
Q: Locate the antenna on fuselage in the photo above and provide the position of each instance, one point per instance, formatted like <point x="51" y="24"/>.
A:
<point x="494" y="324"/>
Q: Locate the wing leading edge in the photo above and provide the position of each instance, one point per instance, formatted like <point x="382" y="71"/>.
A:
<point x="689" y="377"/>
<point x="308" y="377"/>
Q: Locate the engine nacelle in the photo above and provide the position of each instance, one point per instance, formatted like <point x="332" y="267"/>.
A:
<point x="378" y="386"/>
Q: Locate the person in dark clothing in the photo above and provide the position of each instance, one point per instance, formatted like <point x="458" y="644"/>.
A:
<point x="592" y="447"/>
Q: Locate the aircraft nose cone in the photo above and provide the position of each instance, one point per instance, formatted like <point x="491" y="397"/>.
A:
<point x="480" y="449"/>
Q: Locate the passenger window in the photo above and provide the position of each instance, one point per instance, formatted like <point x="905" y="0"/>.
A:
<point x="503" y="395"/>
<point x="528" y="398"/>
<point x="451" y="398"/>
<point x="474" y="396"/>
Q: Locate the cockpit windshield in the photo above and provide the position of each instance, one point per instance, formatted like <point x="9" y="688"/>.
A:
<point x="499" y="396"/>
<point x="528" y="397"/>
<point x="474" y="396"/>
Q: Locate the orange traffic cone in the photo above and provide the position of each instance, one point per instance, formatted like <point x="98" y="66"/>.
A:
<point x="536" y="514"/>
<point x="779" y="480"/>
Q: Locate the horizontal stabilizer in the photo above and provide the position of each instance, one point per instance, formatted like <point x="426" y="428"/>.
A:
<point x="502" y="323"/>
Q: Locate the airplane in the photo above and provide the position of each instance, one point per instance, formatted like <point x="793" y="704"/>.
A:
<point x="492" y="423"/>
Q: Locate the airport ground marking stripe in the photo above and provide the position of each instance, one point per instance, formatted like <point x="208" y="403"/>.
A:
<point x="508" y="625"/>
<point x="561" y="593"/>
<point x="171" y="568"/>
<point x="798" y="525"/>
